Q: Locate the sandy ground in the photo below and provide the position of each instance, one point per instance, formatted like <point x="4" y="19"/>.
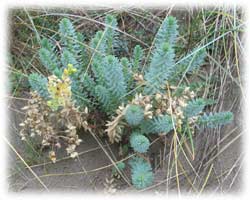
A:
<point x="87" y="173"/>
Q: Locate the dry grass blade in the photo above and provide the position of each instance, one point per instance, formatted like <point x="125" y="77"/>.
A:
<point x="229" y="172"/>
<point x="187" y="177"/>
<point x="20" y="157"/>
<point x="206" y="179"/>
<point x="223" y="149"/>
<point x="175" y="138"/>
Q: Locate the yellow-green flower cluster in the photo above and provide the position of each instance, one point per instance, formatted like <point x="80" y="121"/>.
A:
<point x="60" y="89"/>
<point x="69" y="71"/>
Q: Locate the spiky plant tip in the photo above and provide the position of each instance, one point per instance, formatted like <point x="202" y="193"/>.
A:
<point x="167" y="32"/>
<point x="141" y="173"/>
<point x="213" y="120"/>
<point x="109" y="19"/>
<point x="166" y="47"/>
<point x="66" y="27"/>
<point x="125" y="62"/>
<point x="139" y="142"/>
<point x="134" y="115"/>
<point x="158" y="125"/>
<point x="194" y="107"/>
<point x="142" y="179"/>
<point x="137" y="57"/>
<point x="160" y="69"/>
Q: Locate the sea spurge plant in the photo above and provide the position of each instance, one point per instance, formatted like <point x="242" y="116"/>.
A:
<point x="159" y="70"/>
<point x="53" y="127"/>
<point x="39" y="84"/>
<point x="116" y="126"/>
<point x="212" y="120"/>
<point x="139" y="142"/>
<point x="194" y="107"/>
<point x="60" y="92"/>
<point x="136" y="102"/>
<point x="49" y="58"/>
<point x="137" y="58"/>
<point x="158" y="125"/>
<point x="141" y="173"/>
<point x="134" y="115"/>
<point x="60" y="89"/>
